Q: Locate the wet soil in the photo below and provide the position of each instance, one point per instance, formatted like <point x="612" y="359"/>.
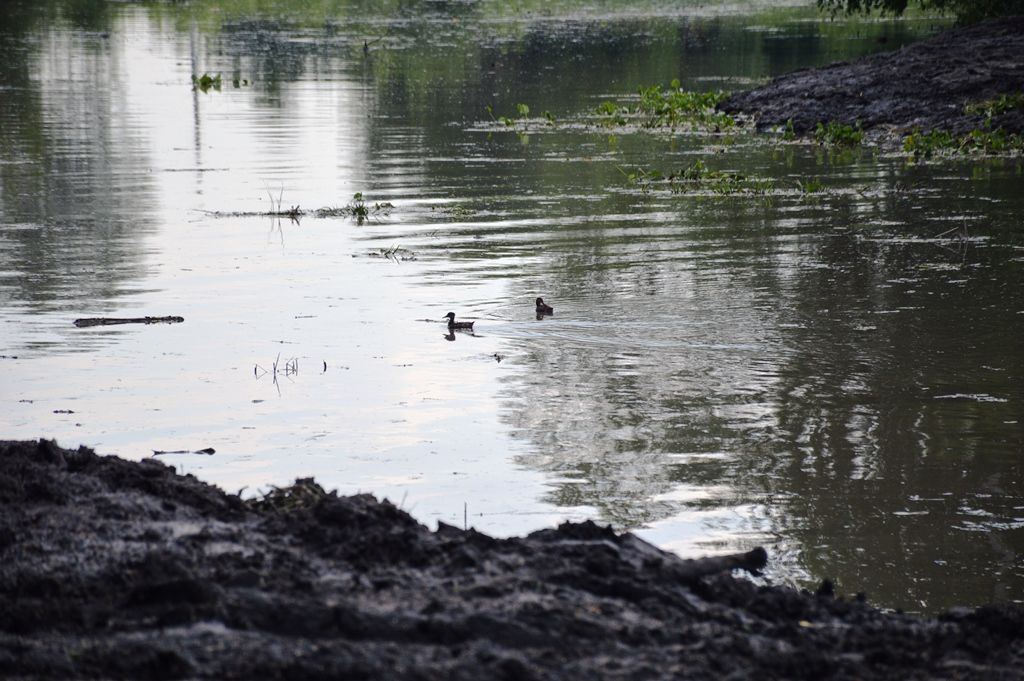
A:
<point x="122" y="570"/>
<point x="925" y="85"/>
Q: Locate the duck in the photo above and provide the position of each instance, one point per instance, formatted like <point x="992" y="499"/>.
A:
<point x="452" y="324"/>
<point x="543" y="308"/>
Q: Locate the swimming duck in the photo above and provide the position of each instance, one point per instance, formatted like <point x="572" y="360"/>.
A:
<point x="452" y="324"/>
<point x="542" y="308"/>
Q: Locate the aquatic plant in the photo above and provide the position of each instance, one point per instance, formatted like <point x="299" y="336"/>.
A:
<point x="788" y="132"/>
<point x="361" y="211"/>
<point x="996" y="106"/>
<point x="642" y="178"/>
<point x="697" y="177"/>
<point x="993" y="141"/>
<point x="204" y="82"/>
<point x="668" y="108"/>
<point x="395" y="253"/>
<point x="838" y="134"/>
<point x="811" y="186"/>
<point x="522" y="109"/>
<point x="927" y="144"/>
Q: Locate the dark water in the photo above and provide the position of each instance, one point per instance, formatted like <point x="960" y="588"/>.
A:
<point x="837" y="376"/>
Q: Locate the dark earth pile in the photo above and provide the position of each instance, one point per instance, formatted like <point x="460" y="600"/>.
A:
<point x="925" y="85"/>
<point x="122" y="570"/>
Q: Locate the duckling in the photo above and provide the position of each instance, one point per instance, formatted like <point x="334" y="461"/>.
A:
<point x="542" y="308"/>
<point x="452" y="324"/>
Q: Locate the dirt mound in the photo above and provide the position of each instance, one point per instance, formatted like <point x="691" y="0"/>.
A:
<point x="926" y="85"/>
<point x="121" y="570"/>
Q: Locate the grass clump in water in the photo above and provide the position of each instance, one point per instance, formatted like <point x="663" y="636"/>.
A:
<point x="835" y="133"/>
<point x="668" y="108"/>
<point x="811" y="186"/>
<point x="357" y="208"/>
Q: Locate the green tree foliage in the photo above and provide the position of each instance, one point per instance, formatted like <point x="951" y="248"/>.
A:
<point x="966" y="11"/>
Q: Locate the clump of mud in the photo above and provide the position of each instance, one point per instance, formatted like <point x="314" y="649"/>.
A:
<point x="121" y="570"/>
<point x="927" y="85"/>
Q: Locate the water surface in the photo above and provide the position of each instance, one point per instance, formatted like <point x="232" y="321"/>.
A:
<point x="836" y="376"/>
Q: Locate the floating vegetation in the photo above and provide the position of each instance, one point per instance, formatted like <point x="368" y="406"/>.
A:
<point x="838" y="134"/>
<point x="927" y="144"/>
<point x="359" y="209"/>
<point x="983" y="140"/>
<point x="671" y="108"/>
<point x="522" y="109"/>
<point x="456" y="211"/>
<point x="395" y="253"/>
<point x="699" y="178"/>
<point x="205" y="82"/>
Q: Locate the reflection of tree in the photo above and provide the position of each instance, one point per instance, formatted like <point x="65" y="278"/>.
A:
<point x="74" y="182"/>
<point x="639" y="399"/>
<point x="862" y="386"/>
<point x="883" y="413"/>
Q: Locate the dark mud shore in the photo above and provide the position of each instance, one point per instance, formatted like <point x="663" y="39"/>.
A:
<point x="925" y="85"/>
<point x="121" y="570"/>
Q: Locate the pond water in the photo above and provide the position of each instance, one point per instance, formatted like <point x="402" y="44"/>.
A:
<point x="837" y="376"/>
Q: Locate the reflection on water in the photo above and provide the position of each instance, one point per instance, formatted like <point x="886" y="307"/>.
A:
<point x="835" y="375"/>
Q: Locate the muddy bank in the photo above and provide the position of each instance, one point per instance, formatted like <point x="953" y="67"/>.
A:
<point x="121" y="570"/>
<point x="925" y="85"/>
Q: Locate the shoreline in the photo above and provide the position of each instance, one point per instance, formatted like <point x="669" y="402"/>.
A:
<point x="927" y="86"/>
<point x="119" y="569"/>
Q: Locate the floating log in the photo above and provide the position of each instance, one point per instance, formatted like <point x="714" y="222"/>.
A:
<point x="109" y="321"/>
<point x="209" y="451"/>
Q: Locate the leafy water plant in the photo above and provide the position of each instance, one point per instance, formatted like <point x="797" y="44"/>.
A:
<point x="204" y="82"/>
<point x="668" y="108"/>
<point x="927" y="144"/>
<point x="993" y="141"/>
<point x="643" y="178"/>
<point x="697" y="177"/>
<point x="522" y="109"/>
<point x="838" y="134"/>
<point x="996" y="106"/>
